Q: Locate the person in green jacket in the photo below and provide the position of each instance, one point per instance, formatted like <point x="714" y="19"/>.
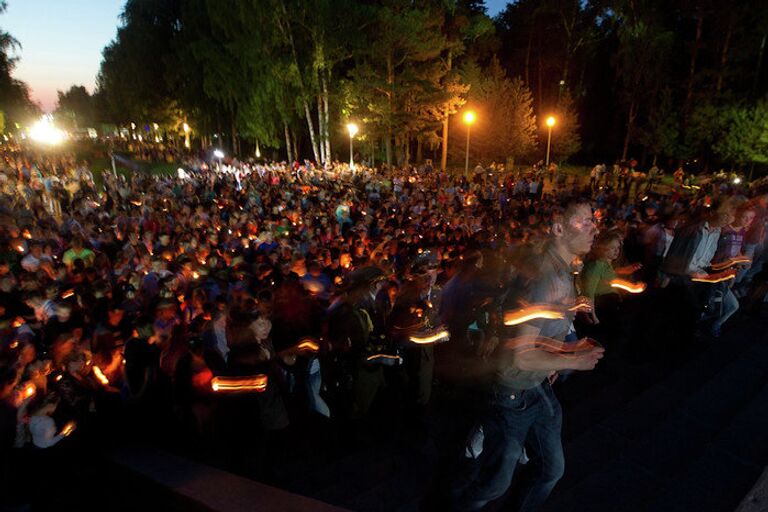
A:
<point x="597" y="274"/>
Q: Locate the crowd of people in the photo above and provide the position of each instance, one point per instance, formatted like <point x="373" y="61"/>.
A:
<point x="235" y="300"/>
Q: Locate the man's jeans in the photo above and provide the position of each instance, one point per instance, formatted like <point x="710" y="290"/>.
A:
<point x="730" y="306"/>
<point x="496" y="446"/>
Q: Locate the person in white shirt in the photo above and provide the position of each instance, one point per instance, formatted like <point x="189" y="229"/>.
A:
<point x="42" y="428"/>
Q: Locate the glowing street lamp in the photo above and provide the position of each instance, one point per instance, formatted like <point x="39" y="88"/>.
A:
<point x="550" y="123"/>
<point x="352" y="129"/>
<point x="469" y="118"/>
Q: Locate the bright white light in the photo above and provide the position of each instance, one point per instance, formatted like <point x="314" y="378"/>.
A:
<point x="44" y="132"/>
<point x="352" y="129"/>
<point x="218" y="153"/>
<point x="736" y="180"/>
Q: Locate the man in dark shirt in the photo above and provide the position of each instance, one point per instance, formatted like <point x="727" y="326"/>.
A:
<point x="523" y="410"/>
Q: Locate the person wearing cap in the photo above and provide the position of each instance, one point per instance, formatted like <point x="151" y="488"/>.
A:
<point x="354" y="330"/>
<point x="414" y="311"/>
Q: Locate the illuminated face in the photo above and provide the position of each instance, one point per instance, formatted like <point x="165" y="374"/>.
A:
<point x="612" y="250"/>
<point x="579" y="231"/>
<point x="746" y="218"/>
<point x="262" y="328"/>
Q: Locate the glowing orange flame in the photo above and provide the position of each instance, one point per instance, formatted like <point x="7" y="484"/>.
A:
<point x="381" y="357"/>
<point x="437" y="337"/>
<point x="582" y="304"/>
<point x="526" y="314"/>
<point x="68" y="428"/>
<point x="714" y="278"/>
<point x="308" y="346"/>
<point x="29" y="390"/>
<point x="628" y="286"/>
<point x="256" y="383"/>
<point x="100" y="376"/>
<point x="18" y="322"/>
<point x="738" y="260"/>
<point x="26" y="234"/>
<point x="67" y="294"/>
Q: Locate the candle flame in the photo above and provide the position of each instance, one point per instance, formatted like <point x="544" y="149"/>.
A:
<point x="256" y="383"/>
<point x="308" y="346"/>
<point x="380" y="357"/>
<point x="628" y="286"/>
<point x="437" y="337"/>
<point x="526" y="314"/>
<point x="67" y="294"/>
<point x="714" y="278"/>
<point x="731" y="262"/>
<point x="100" y="376"/>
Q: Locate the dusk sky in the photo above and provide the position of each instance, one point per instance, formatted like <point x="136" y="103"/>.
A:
<point x="62" y="41"/>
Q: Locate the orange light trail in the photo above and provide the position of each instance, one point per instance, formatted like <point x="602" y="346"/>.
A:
<point x="738" y="260"/>
<point x="100" y="376"/>
<point x="526" y="314"/>
<point x="380" y="357"/>
<point x="437" y="337"/>
<point x="714" y="278"/>
<point x="628" y="286"/>
<point x="308" y="346"/>
<point x="256" y="383"/>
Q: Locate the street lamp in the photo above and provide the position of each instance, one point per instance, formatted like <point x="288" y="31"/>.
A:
<point x="352" y="129"/>
<point x="550" y="123"/>
<point x="469" y="118"/>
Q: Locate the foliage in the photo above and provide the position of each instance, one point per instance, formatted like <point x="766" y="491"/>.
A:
<point x="15" y="103"/>
<point x="645" y="79"/>
<point x="505" y="125"/>
<point x="744" y="138"/>
<point x="75" y="107"/>
<point x="661" y="134"/>
<point x="566" y="140"/>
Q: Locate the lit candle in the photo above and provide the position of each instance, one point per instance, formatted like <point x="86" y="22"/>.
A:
<point x="256" y="383"/>
<point x="628" y="286"/>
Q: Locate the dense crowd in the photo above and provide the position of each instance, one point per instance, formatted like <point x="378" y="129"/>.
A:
<point x="237" y="299"/>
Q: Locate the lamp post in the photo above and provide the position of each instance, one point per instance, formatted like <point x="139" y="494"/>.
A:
<point x="550" y="123"/>
<point x="352" y="129"/>
<point x="469" y="118"/>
